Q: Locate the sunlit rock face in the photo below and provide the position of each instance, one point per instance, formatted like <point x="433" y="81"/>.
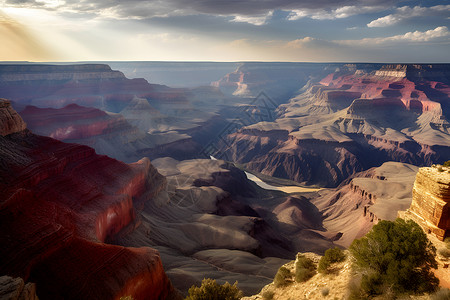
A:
<point x="60" y="203"/>
<point x="10" y="120"/>
<point x="430" y="206"/>
<point x="356" y="117"/>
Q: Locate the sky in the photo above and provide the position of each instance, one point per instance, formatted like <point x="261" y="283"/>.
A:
<point x="206" y="30"/>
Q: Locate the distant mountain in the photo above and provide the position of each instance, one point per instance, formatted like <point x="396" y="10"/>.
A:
<point x="350" y="120"/>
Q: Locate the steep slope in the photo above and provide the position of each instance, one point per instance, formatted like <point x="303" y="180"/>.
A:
<point x="60" y="203"/>
<point x="351" y="209"/>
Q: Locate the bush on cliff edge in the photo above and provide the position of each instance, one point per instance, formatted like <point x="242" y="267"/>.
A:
<point x="395" y="257"/>
<point x="211" y="290"/>
<point x="332" y="255"/>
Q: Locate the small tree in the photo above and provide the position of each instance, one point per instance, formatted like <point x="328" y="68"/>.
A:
<point x="331" y="256"/>
<point x="395" y="256"/>
<point x="304" y="269"/>
<point x="281" y="277"/>
<point x="211" y="290"/>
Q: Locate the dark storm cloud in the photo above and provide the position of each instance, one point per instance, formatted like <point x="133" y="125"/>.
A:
<point x="151" y="8"/>
<point x="31" y="3"/>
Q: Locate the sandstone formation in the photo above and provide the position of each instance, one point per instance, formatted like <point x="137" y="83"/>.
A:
<point x="430" y="205"/>
<point x="10" y="121"/>
<point x="60" y="205"/>
<point x="16" y="289"/>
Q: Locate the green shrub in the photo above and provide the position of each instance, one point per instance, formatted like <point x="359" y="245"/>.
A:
<point x="397" y="255"/>
<point x="268" y="295"/>
<point x="304" y="269"/>
<point x="281" y="277"/>
<point x="446" y="164"/>
<point x="331" y="256"/>
<point x="325" y="291"/>
<point x="211" y="290"/>
<point x="442" y="294"/>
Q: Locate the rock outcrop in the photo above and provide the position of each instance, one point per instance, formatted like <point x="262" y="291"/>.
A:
<point x="10" y="121"/>
<point x="16" y="289"/>
<point x="60" y="204"/>
<point x="430" y="205"/>
<point x="322" y="285"/>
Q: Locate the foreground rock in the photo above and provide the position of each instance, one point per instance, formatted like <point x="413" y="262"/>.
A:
<point x="320" y="286"/>
<point x="60" y="204"/>
<point x="15" y="288"/>
<point x="430" y="207"/>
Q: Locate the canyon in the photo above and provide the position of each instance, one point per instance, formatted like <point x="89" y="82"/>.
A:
<point x="349" y="121"/>
<point x="333" y="147"/>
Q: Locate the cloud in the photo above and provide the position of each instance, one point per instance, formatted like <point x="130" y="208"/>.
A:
<point x="439" y="34"/>
<point x="251" y="11"/>
<point x="406" y="12"/>
<point x="255" y="20"/>
<point x="338" y="13"/>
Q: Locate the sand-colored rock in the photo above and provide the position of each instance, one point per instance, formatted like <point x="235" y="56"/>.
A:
<point x="430" y="206"/>
<point x="10" y="121"/>
<point x="335" y="283"/>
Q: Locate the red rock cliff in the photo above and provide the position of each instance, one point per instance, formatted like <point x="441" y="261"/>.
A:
<point x="59" y="204"/>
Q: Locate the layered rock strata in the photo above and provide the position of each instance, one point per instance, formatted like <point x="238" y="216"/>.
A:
<point x="60" y="204"/>
<point x="94" y="85"/>
<point x="430" y="205"/>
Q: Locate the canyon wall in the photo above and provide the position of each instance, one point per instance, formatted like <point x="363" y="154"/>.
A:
<point x="430" y="205"/>
<point x="93" y="85"/>
<point x="60" y="204"/>
<point x="355" y="118"/>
